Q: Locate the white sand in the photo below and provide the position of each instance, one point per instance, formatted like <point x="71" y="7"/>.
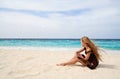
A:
<point x="41" y="64"/>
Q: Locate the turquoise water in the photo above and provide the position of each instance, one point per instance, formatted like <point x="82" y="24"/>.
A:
<point x="113" y="44"/>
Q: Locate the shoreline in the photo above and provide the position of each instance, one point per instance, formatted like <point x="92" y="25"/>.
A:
<point x="53" y="48"/>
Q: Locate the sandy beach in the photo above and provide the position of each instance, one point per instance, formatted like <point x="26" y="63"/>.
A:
<point x="41" y="64"/>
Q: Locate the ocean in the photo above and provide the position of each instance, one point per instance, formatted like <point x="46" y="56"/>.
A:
<point x="111" y="44"/>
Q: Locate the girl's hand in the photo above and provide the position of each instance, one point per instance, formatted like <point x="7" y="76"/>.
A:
<point x="77" y="52"/>
<point x="81" y="56"/>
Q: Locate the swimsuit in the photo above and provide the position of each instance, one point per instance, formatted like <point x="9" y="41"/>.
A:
<point x="93" y="61"/>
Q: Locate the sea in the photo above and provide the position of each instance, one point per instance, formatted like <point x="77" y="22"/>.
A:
<point x="110" y="44"/>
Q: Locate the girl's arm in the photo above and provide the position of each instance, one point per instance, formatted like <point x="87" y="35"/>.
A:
<point x="87" y="55"/>
<point x="79" y="51"/>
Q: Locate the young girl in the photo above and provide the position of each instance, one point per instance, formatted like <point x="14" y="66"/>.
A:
<point x="92" y="57"/>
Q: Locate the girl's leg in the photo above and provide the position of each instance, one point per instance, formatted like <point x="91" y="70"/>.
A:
<point x="73" y="61"/>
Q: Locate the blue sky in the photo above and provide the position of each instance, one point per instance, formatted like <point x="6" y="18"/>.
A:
<point x="59" y="18"/>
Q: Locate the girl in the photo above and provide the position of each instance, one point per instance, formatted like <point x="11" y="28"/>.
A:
<point x="92" y="57"/>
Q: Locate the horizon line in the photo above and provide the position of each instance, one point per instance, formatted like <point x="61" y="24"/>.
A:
<point x="56" y="38"/>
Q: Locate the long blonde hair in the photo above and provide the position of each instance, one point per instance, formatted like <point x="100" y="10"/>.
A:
<point x="92" y="46"/>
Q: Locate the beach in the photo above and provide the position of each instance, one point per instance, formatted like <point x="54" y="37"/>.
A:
<point x="30" y="63"/>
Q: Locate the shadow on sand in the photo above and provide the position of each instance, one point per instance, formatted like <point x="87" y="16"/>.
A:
<point x="108" y="66"/>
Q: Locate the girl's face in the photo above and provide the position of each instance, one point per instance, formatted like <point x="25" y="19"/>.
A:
<point x="83" y="44"/>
